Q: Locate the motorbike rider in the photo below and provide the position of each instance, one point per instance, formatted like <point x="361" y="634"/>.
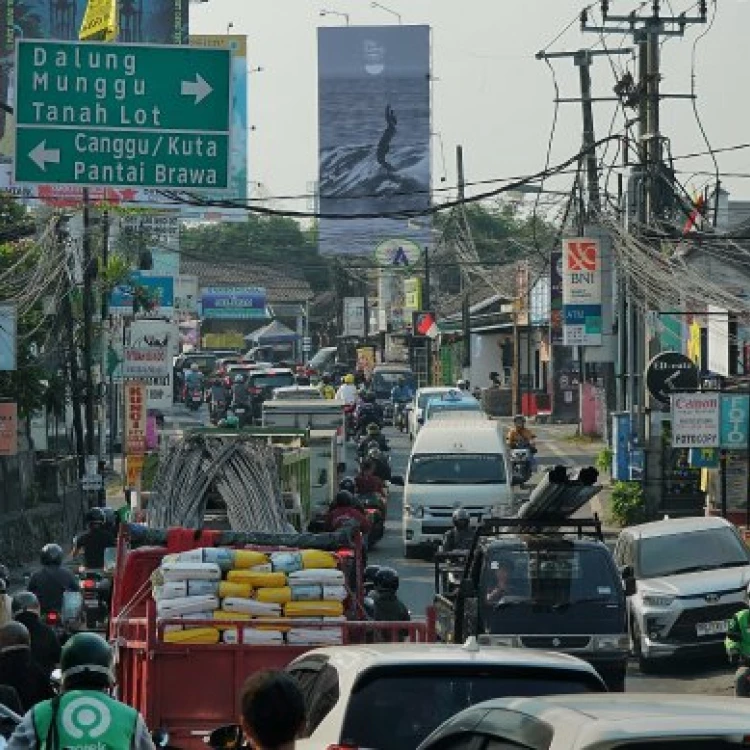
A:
<point x="348" y="484"/>
<point x="347" y="391"/>
<point x="385" y="605"/>
<point x="240" y="394"/>
<point x="519" y="436"/>
<point x="45" y="645"/>
<point x="369" y="411"/>
<point x="19" y="669"/>
<point x="92" y="543"/>
<point x="194" y="379"/>
<point x="218" y="393"/>
<point x="460" y="537"/>
<point x="326" y="387"/>
<point x="345" y="510"/>
<point x="737" y="644"/>
<point x="367" y="481"/>
<point x="51" y="581"/>
<point x="401" y="393"/>
<point x="462" y="385"/>
<point x="5" y="600"/>
<point x="382" y="466"/>
<point x="87" y="677"/>
<point x="372" y="438"/>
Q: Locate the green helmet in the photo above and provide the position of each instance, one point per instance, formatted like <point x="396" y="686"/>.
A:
<point x="86" y="661"/>
<point x="373" y="429"/>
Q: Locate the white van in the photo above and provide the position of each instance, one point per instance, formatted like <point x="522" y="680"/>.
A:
<point x="455" y="462"/>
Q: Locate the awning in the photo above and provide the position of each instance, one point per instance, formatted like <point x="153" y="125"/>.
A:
<point x="274" y="333"/>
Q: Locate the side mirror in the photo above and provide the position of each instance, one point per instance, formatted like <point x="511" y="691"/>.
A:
<point x="160" y="737"/>
<point x="225" y="738"/>
<point x="630" y="587"/>
<point x="397" y="480"/>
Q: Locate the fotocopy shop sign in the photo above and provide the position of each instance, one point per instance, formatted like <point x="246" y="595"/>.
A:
<point x="582" y="292"/>
<point x="695" y="420"/>
<point x="135" y="418"/>
<point x="137" y="115"/>
<point x="734" y="421"/>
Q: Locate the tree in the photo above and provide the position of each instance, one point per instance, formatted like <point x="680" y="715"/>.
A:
<point x="275" y="241"/>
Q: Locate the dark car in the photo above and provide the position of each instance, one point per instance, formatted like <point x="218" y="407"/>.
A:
<point x="261" y="384"/>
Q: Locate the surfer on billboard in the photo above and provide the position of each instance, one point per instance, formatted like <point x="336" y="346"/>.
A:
<point x="384" y="146"/>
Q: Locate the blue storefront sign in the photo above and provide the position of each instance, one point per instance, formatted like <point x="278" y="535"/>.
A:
<point x="704" y="458"/>
<point x="233" y="303"/>
<point x="621" y="442"/>
<point x="733" y="422"/>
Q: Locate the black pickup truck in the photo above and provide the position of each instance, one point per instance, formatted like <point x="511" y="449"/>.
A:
<point x="533" y="584"/>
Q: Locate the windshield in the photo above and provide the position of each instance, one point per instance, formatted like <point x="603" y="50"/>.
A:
<point x="546" y="579"/>
<point x="312" y="393"/>
<point x="384" y="382"/>
<point x="468" y="468"/>
<point x="272" y="380"/>
<point x="375" y="717"/>
<point x="322" y="357"/>
<point x="433" y="407"/>
<point x="425" y="397"/>
<point x="204" y="363"/>
<point x="689" y="552"/>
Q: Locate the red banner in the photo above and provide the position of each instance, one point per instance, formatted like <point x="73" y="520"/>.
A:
<point x="8" y="429"/>
<point x="135" y="419"/>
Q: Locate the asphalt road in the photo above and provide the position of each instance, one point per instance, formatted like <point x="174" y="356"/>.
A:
<point x="710" y="676"/>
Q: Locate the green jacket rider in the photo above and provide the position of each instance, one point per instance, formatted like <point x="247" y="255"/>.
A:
<point x="737" y="644"/>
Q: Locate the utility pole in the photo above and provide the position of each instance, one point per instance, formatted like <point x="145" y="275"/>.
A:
<point x="106" y="408"/>
<point x="88" y="324"/>
<point x="426" y="302"/>
<point x="465" y="295"/>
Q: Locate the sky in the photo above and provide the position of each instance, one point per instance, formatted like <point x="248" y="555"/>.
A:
<point x="489" y="92"/>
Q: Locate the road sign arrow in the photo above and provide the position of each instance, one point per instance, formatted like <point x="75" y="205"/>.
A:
<point x="199" y="88"/>
<point x="41" y="155"/>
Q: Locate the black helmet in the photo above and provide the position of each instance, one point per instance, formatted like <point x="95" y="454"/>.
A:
<point x="343" y="499"/>
<point x="326" y="378"/>
<point x="24" y="600"/>
<point x="4" y="573"/>
<point x="86" y="661"/>
<point x="52" y="554"/>
<point x="371" y="571"/>
<point x="461" y="519"/>
<point x="369" y="397"/>
<point x="348" y="484"/>
<point x="519" y="418"/>
<point x="386" y="579"/>
<point x="95" y="515"/>
<point x="373" y="429"/>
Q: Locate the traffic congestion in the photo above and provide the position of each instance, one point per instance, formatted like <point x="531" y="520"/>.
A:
<point x="449" y="565"/>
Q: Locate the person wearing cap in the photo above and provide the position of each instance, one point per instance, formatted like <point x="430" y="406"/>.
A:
<point x="19" y="669"/>
<point x="45" y="645"/>
<point x="84" y="714"/>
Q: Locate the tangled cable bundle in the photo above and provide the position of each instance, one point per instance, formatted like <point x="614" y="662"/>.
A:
<point x="244" y="472"/>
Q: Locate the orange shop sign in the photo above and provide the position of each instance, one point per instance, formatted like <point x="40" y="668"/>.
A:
<point x="135" y="418"/>
<point x="8" y="429"/>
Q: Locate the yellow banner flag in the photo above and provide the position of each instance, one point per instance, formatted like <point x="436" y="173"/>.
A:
<point x="99" y="22"/>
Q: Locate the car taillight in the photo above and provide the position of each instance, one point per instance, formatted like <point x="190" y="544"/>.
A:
<point x="88" y="584"/>
<point x="52" y="617"/>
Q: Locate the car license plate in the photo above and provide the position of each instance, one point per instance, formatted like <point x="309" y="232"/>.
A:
<point x="711" y="628"/>
<point x="91" y="603"/>
<point x="239" y="411"/>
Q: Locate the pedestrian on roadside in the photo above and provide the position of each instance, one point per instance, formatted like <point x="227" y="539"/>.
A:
<point x="272" y="711"/>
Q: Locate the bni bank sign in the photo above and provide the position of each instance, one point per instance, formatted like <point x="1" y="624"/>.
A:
<point x="582" y="292"/>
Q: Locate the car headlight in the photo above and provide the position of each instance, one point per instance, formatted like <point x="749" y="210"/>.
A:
<point x="612" y="642"/>
<point x="657" y="600"/>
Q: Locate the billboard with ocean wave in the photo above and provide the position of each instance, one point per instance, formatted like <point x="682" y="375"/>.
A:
<point x="374" y="135"/>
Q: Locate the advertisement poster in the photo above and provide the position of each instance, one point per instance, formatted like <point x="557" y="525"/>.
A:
<point x="140" y="21"/>
<point x="374" y="135"/>
<point x="145" y="293"/>
<point x="152" y="346"/>
<point x="135" y="419"/>
<point x="735" y="415"/>
<point x="582" y="292"/>
<point x="237" y="44"/>
<point x="233" y="303"/>
<point x="354" y="317"/>
<point x="8" y="429"/>
<point x="556" y="319"/>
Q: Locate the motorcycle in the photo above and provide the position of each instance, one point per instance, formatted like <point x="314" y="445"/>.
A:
<point x="194" y="398"/>
<point x="522" y="464"/>
<point x="96" y="588"/>
<point x="218" y="411"/>
<point x="244" y="414"/>
<point x="375" y="510"/>
<point x="401" y="416"/>
<point x="350" y="422"/>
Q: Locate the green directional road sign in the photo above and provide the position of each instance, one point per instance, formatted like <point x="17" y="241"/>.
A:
<point x="122" y="115"/>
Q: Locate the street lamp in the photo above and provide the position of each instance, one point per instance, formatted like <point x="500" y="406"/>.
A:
<point x="257" y="69"/>
<point x="230" y="26"/>
<point x="345" y="16"/>
<point x="387" y="10"/>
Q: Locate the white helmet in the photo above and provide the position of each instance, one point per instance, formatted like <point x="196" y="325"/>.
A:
<point x="462" y="384"/>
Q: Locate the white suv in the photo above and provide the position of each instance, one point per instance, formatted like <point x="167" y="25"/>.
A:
<point x="691" y="575"/>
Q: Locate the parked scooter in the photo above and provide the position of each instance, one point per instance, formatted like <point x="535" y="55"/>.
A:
<point x="522" y="464"/>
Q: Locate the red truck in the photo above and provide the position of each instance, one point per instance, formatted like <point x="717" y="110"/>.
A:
<point x="188" y="690"/>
